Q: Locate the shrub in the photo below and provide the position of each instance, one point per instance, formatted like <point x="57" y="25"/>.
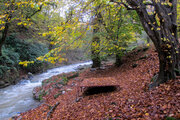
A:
<point x="8" y="65"/>
<point x="27" y="51"/>
<point x="16" y="50"/>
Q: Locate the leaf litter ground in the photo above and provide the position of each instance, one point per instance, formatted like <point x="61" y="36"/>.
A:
<point x="132" y="101"/>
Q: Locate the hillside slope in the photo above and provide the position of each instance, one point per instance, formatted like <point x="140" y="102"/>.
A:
<point x="132" y="101"/>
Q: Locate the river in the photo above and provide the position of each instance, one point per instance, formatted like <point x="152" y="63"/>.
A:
<point x="18" y="98"/>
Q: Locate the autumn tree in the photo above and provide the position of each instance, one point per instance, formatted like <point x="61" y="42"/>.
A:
<point x="159" y="19"/>
<point x="66" y="35"/>
<point x="6" y="16"/>
<point x="122" y="28"/>
<point x="95" y="44"/>
<point x="17" y="12"/>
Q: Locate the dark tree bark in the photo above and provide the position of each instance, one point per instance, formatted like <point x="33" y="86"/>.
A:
<point x="34" y="12"/>
<point x="95" y="52"/>
<point x="4" y="35"/>
<point x="95" y="45"/>
<point x="161" y="27"/>
<point x="148" y="39"/>
<point x="118" y="62"/>
<point x="7" y="23"/>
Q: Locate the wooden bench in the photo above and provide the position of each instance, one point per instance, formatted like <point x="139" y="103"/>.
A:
<point x="96" y="82"/>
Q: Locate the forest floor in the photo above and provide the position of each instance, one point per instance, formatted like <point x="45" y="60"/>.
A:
<point x="132" y="101"/>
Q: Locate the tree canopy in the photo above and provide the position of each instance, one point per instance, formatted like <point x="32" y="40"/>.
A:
<point x="119" y="24"/>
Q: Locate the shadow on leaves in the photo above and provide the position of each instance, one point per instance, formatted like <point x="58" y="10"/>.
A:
<point x="99" y="90"/>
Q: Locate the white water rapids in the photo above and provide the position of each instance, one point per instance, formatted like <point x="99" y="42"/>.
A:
<point x="18" y="98"/>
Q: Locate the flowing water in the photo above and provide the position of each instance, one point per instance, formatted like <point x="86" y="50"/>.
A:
<point x="18" y="98"/>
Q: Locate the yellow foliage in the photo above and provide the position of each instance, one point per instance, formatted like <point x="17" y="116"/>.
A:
<point x="169" y="46"/>
<point x="20" y="23"/>
<point x="2" y="28"/>
<point x="148" y="45"/>
<point x="39" y="58"/>
<point x="158" y="28"/>
<point x="147" y="114"/>
<point x="2" y="22"/>
<point x="18" y="3"/>
<point x="52" y="43"/>
<point x="2" y="16"/>
<point x="32" y="5"/>
<point x="169" y="13"/>
<point x="44" y="34"/>
<point x="25" y="63"/>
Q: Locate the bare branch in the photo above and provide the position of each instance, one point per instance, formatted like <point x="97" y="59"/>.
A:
<point x="125" y="5"/>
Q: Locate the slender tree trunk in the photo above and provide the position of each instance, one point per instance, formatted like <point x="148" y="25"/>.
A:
<point x="95" y="52"/>
<point x="114" y="37"/>
<point x="4" y="35"/>
<point x="95" y="45"/>
<point x="95" y="48"/>
<point x="7" y="23"/>
<point x="118" y="62"/>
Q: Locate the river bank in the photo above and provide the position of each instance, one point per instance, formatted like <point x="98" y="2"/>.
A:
<point x="18" y="98"/>
<point x="131" y="101"/>
<point x="17" y="76"/>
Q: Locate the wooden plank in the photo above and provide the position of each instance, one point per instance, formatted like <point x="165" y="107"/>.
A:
<point x="101" y="81"/>
<point x="96" y="82"/>
<point x="97" y="85"/>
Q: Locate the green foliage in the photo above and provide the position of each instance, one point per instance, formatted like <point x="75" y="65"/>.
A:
<point x="57" y="95"/>
<point x="120" y="29"/>
<point x="16" y="50"/>
<point x="170" y="118"/>
<point x="8" y="63"/>
<point x="42" y="94"/>
<point x="3" y="70"/>
<point x="74" y="75"/>
<point x="64" y="80"/>
<point x="26" y="51"/>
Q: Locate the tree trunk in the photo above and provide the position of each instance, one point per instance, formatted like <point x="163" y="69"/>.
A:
<point x="118" y="62"/>
<point x="7" y="23"/>
<point x="95" y="52"/>
<point x="95" y="45"/>
<point x="161" y="27"/>
<point x="148" y="39"/>
<point x="4" y="35"/>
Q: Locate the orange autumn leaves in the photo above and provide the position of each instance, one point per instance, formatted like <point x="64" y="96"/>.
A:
<point x="132" y="101"/>
<point x="100" y="81"/>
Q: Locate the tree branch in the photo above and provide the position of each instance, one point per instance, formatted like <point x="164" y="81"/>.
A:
<point x="29" y="16"/>
<point x="125" y="5"/>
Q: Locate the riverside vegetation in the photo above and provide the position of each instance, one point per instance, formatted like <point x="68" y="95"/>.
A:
<point x="36" y="33"/>
<point x="132" y="100"/>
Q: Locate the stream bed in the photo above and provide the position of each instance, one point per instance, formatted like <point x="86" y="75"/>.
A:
<point x="18" y="98"/>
